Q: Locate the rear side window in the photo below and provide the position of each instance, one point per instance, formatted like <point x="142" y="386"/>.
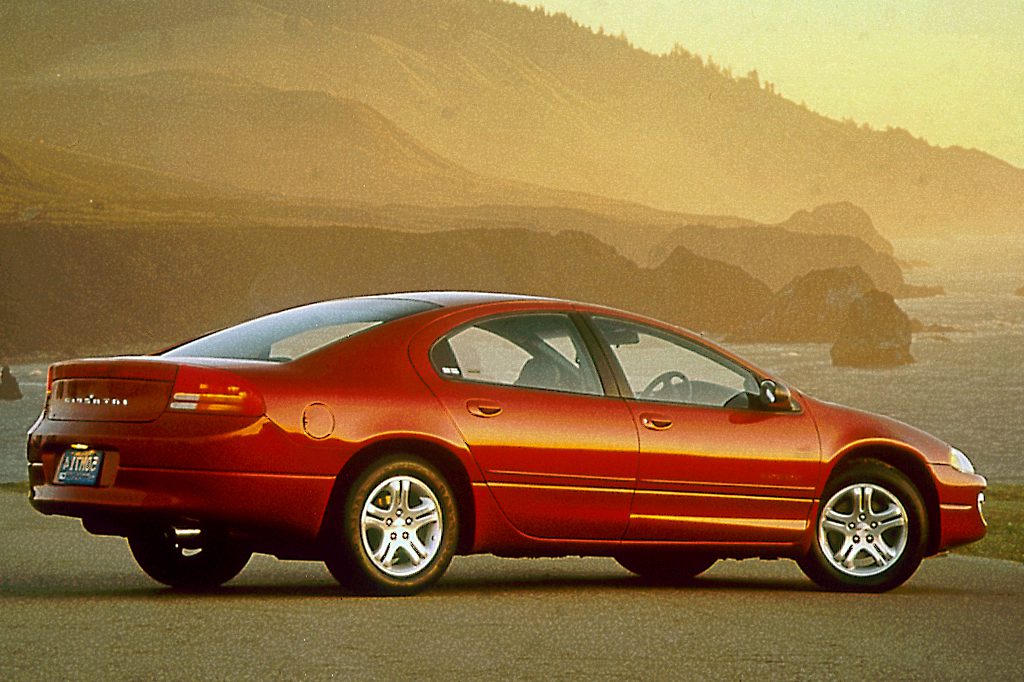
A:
<point x="541" y="350"/>
<point x="289" y="334"/>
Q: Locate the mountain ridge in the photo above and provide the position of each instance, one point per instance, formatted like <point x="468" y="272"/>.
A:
<point x="475" y="80"/>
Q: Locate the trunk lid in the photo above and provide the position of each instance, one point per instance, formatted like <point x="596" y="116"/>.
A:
<point x="110" y="389"/>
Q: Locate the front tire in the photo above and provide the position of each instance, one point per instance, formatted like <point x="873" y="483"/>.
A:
<point x="870" y="533"/>
<point x="397" y="530"/>
<point x="665" y="567"/>
<point x="187" y="558"/>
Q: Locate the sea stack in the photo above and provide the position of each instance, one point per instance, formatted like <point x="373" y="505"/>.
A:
<point x="876" y="333"/>
<point x="9" y="389"/>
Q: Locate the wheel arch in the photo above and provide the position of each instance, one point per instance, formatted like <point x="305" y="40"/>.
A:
<point x="910" y="464"/>
<point x="446" y="461"/>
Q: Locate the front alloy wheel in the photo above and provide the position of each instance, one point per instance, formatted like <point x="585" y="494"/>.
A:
<point x="862" y="530"/>
<point x="870" y="532"/>
<point x="397" y="530"/>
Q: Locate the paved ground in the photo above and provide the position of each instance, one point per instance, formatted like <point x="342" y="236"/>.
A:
<point x="75" y="606"/>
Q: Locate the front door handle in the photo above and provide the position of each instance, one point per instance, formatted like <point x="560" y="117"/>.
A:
<point x="655" y="422"/>
<point x="483" y="408"/>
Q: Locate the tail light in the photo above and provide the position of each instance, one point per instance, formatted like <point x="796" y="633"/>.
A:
<point x="214" y="391"/>
<point x="49" y="389"/>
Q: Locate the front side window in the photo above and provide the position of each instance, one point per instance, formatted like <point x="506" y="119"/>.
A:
<point x="542" y="350"/>
<point x="663" y="367"/>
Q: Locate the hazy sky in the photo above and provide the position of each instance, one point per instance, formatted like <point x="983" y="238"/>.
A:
<point x="951" y="71"/>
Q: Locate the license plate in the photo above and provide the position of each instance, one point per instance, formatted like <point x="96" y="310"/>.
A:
<point x="79" y="467"/>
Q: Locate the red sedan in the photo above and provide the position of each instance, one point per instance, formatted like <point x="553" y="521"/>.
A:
<point x="386" y="434"/>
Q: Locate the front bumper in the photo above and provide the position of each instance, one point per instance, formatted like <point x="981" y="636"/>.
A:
<point x="961" y="498"/>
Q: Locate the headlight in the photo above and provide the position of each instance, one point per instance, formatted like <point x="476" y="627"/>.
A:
<point x="959" y="461"/>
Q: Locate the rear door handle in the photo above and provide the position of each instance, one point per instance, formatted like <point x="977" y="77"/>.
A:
<point x="655" y="422"/>
<point x="483" y="408"/>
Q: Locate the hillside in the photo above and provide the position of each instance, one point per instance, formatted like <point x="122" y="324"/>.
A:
<point x="505" y="91"/>
<point x="138" y="278"/>
<point x="44" y="185"/>
<point x="50" y="186"/>
<point x="293" y="146"/>
<point x="215" y="129"/>
<point x="38" y="181"/>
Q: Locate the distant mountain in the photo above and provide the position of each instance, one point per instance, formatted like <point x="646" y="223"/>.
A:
<point x="505" y="91"/>
<point x="841" y="218"/>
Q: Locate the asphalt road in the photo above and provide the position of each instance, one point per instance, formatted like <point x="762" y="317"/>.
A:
<point x="74" y="606"/>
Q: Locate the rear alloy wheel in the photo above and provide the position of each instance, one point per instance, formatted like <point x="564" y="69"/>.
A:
<point x="187" y="557"/>
<point x="398" y="531"/>
<point x="870" y="532"/>
<point x="665" y="567"/>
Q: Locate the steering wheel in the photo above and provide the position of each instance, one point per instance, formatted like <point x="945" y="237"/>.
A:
<point x="679" y="390"/>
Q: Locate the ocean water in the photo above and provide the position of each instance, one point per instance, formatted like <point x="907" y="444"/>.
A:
<point x="966" y="386"/>
<point x="16" y="416"/>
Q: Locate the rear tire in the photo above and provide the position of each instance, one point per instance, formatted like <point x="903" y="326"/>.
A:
<point x="397" y="530"/>
<point x="666" y="566"/>
<point x="870" y="533"/>
<point x="190" y="559"/>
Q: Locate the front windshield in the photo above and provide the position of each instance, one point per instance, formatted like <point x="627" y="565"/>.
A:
<point x="284" y="336"/>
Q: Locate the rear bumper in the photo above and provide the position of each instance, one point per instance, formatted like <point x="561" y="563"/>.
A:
<point x="247" y="475"/>
<point x="961" y="519"/>
<point x="284" y="505"/>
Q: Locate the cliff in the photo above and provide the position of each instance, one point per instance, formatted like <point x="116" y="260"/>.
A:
<point x="133" y="290"/>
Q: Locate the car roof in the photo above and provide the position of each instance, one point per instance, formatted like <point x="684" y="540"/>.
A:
<point x="448" y="299"/>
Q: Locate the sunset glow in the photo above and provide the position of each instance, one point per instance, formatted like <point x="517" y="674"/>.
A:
<point x="951" y="71"/>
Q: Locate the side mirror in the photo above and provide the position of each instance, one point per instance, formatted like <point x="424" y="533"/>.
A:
<point x="776" y="396"/>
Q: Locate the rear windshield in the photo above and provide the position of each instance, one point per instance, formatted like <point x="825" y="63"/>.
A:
<point x="286" y="335"/>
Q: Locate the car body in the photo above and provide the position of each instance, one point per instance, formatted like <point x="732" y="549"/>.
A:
<point x="384" y="434"/>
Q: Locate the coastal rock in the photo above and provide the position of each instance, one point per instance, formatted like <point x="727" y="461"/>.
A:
<point x="810" y="308"/>
<point x="686" y="276"/>
<point x="876" y="333"/>
<point x="9" y="389"/>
